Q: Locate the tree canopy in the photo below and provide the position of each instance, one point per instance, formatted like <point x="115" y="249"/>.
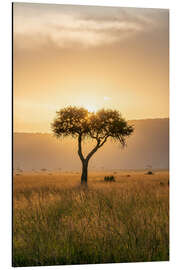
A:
<point x="73" y="121"/>
<point x="81" y="124"/>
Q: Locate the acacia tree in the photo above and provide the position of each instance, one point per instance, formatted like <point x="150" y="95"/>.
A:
<point x="99" y="126"/>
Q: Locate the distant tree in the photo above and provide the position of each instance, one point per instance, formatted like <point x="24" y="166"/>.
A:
<point x="99" y="126"/>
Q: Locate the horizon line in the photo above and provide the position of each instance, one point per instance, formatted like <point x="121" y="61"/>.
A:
<point x="46" y="132"/>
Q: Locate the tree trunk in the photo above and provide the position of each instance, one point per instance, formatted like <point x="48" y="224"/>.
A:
<point x="84" y="172"/>
<point x="85" y="161"/>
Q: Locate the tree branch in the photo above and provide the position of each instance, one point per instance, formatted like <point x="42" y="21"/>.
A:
<point x="92" y="152"/>
<point x="105" y="139"/>
<point x="98" y="145"/>
<point x="92" y="136"/>
<point x="80" y="148"/>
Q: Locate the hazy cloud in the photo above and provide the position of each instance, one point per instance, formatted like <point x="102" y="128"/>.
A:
<point x="37" y="25"/>
<point x="107" y="98"/>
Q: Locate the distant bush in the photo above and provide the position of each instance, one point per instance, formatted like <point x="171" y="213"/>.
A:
<point x="43" y="169"/>
<point x="19" y="170"/>
<point x="149" y="173"/>
<point x="110" y="178"/>
<point x="161" y="183"/>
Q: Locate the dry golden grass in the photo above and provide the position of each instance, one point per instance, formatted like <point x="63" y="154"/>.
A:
<point x="58" y="222"/>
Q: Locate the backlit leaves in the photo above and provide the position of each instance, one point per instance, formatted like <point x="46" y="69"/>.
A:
<point x="74" y="121"/>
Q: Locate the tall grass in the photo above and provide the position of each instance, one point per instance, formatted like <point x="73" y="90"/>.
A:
<point x="57" y="222"/>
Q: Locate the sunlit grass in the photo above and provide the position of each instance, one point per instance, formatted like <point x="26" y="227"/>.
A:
<point x="57" y="222"/>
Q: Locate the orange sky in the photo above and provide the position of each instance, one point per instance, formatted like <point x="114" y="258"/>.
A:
<point x="89" y="56"/>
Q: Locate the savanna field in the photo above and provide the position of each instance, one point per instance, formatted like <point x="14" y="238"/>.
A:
<point x="56" y="221"/>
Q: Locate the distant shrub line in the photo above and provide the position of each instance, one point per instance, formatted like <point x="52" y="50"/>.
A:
<point x="110" y="178"/>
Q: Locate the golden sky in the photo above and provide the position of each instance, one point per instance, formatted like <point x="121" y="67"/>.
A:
<point x="89" y="56"/>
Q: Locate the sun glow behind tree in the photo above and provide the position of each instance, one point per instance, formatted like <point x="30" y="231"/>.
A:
<point x="92" y="57"/>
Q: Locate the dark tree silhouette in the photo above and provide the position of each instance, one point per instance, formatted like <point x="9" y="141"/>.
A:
<point x="99" y="126"/>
